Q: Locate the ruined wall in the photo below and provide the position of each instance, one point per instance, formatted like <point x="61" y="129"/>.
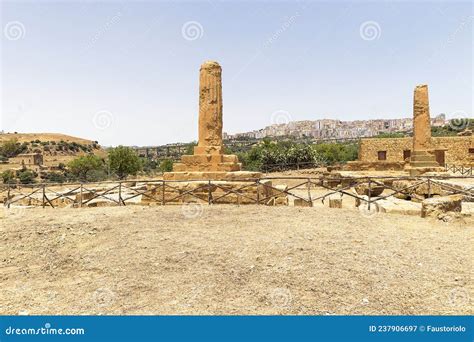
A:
<point x="457" y="149"/>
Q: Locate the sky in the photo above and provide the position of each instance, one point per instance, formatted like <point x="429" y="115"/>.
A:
<point x="127" y="72"/>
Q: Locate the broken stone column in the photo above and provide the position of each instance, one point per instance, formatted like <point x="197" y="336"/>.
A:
<point x="209" y="161"/>
<point x="210" y="109"/>
<point x="421" y="119"/>
<point x="421" y="159"/>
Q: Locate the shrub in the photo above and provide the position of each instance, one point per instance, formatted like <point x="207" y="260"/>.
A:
<point x="166" y="165"/>
<point x="26" y="176"/>
<point x="55" y="177"/>
<point x="8" y="177"/>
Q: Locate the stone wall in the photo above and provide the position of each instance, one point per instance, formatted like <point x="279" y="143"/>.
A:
<point x="457" y="149"/>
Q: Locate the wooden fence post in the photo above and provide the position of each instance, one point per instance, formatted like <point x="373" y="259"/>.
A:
<point x="8" y="196"/>
<point x="120" y="193"/>
<point x="209" y="192"/>
<point x="258" y="193"/>
<point x="81" y="194"/>
<point x="370" y="193"/>
<point x="308" y="185"/>
<point x="163" y="192"/>
<point x="44" y="197"/>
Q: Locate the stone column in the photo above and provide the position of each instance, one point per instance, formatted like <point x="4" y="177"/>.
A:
<point x="421" y="119"/>
<point x="422" y="159"/>
<point x="210" y="109"/>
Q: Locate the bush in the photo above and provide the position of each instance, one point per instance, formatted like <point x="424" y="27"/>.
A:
<point x="55" y="177"/>
<point x="26" y="176"/>
<point x="123" y="161"/>
<point x="270" y="155"/>
<point x="166" y="165"/>
<point x="8" y="177"/>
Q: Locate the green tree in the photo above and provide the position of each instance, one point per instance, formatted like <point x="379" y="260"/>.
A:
<point x="123" y="161"/>
<point x="11" y="148"/>
<point x="86" y="168"/>
<point x="26" y="176"/>
<point x="8" y="177"/>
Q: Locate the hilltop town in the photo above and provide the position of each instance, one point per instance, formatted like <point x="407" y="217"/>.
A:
<point x="334" y="129"/>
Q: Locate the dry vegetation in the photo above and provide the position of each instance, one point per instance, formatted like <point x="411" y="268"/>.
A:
<point x="232" y="260"/>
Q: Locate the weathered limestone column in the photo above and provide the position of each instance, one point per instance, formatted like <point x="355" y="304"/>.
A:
<point x="421" y="119"/>
<point x="210" y="109"/>
<point x="422" y="159"/>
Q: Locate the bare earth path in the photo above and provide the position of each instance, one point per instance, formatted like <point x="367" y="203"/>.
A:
<point x="232" y="260"/>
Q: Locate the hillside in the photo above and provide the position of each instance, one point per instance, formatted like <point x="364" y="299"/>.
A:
<point x="27" y="137"/>
<point x="56" y="148"/>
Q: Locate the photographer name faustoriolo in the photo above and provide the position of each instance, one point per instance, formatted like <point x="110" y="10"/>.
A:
<point x="444" y="328"/>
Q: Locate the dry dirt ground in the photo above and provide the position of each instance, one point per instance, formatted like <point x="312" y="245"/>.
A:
<point x="232" y="260"/>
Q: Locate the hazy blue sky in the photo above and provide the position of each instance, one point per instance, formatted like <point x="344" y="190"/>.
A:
<point x="127" y="72"/>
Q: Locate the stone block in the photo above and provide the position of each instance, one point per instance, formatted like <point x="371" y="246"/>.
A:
<point x="298" y="202"/>
<point x="363" y="189"/>
<point x="437" y="206"/>
<point x="335" y="202"/>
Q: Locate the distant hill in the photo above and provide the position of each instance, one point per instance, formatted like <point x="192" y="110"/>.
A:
<point x="56" y="137"/>
<point x="56" y="148"/>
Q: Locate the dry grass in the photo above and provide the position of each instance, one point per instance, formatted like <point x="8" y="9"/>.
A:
<point x="232" y="260"/>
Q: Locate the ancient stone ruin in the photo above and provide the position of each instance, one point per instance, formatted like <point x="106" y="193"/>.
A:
<point x="209" y="161"/>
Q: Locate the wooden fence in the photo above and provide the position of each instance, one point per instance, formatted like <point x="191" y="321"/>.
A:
<point x="162" y="192"/>
<point x="463" y="170"/>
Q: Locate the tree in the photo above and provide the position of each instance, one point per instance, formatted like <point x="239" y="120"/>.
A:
<point x="26" y="176"/>
<point x="8" y="177"/>
<point x="86" y="167"/>
<point x="11" y="148"/>
<point x="123" y="161"/>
